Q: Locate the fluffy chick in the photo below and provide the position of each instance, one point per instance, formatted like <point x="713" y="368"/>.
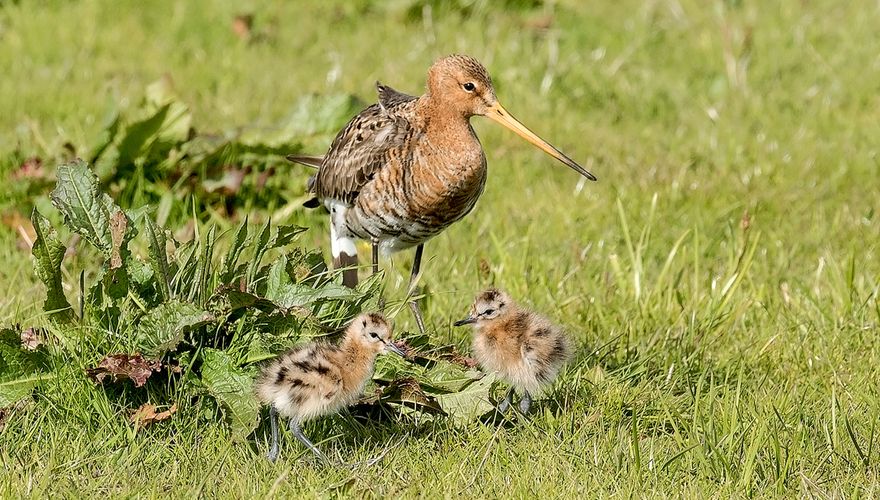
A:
<point x="319" y="378"/>
<point x="521" y="346"/>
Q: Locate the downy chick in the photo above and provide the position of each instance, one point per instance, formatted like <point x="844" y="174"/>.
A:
<point x="319" y="378"/>
<point x="522" y="347"/>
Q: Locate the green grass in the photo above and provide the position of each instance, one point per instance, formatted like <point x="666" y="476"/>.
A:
<point x="715" y="360"/>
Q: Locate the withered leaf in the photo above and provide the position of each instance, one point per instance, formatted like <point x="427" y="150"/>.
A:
<point x="406" y="391"/>
<point x="118" y="226"/>
<point x="123" y="366"/>
<point x="146" y="415"/>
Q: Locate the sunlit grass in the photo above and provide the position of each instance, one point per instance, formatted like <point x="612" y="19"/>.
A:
<point x="721" y="278"/>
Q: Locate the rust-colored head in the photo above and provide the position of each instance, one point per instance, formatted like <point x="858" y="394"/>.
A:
<point x="373" y="332"/>
<point x="462" y="84"/>
<point x="489" y="305"/>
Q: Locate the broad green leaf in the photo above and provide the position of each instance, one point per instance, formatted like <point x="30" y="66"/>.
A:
<point x="166" y="125"/>
<point x="161" y="329"/>
<point x="77" y="197"/>
<point x="107" y="135"/>
<point x="446" y="376"/>
<point x="285" y="234"/>
<point x="292" y="295"/>
<point x="278" y="277"/>
<point x="233" y="388"/>
<point x="233" y="299"/>
<point x="48" y="252"/>
<point x="307" y="267"/>
<point x="20" y="370"/>
<point x="470" y="402"/>
<point x="14" y="389"/>
<point x="177" y="127"/>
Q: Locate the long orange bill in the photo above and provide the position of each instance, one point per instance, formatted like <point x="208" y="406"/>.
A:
<point x="500" y="115"/>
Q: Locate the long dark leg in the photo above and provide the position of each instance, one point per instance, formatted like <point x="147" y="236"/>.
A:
<point x="414" y="304"/>
<point x="295" y="429"/>
<point x="505" y="403"/>
<point x="376" y="271"/>
<point x="272" y="455"/>
<point x="525" y="403"/>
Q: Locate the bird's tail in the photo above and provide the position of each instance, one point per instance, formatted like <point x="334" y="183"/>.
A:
<point x="307" y="160"/>
<point x="313" y="162"/>
<point x="343" y="248"/>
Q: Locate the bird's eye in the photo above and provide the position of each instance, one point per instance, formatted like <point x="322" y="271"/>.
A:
<point x="469" y="86"/>
<point x="374" y="335"/>
<point x="488" y="312"/>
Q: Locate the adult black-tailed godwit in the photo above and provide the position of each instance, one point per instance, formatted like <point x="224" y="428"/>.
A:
<point x="404" y="169"/>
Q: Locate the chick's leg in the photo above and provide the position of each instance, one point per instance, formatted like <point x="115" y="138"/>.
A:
<point x="525" y="403"/>
<point x="272" y="455"/>
<point x="505" y="403"/>
<point x="297" y="431"/>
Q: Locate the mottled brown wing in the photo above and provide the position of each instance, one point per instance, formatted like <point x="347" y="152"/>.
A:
<point x="363" y="147"/>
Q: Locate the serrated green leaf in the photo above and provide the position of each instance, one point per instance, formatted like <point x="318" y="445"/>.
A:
<point x="285" y="234"/>
<point x="292" y="295"/>
<point x="167" y="124"/>
<point x="236" y="299"/>
<point x="77" y="197"/>
<point x="12" y="390"/>
<point x="446" y="376"/>
<point x="470" y="402"/>
<point x="232" y="387"/>
<point x="48" y="252"/>
<point x="161" y="329"/>
<point x="278" y="277"/>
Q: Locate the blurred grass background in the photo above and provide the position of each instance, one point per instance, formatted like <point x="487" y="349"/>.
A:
<point x="715" y="128"/>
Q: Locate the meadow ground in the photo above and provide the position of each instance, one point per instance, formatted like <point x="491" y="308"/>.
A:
<point x="721" y="279"/>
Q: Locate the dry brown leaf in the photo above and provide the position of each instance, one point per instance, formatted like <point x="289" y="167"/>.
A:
<point x="118" y="226"/>
<point x="146" y="415"/>
<point x="122" y="366"/>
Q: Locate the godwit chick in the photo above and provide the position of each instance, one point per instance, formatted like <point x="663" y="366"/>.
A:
<point x="319" y="379"/>
<point x="403" y="170"/>
<point x="521" y="346"/>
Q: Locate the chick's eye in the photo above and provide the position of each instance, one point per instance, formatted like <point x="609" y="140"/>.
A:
<point x="469" y="86"/>
<point x="374" y="335"/>
<point x="488" y="312"/>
